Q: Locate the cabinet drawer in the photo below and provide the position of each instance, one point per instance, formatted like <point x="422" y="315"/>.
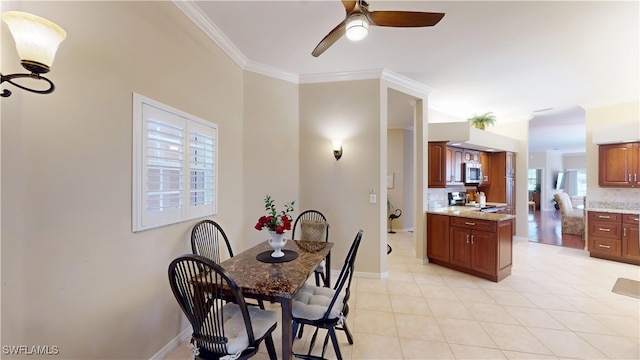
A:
<point x="606" y="246"/>
<point x="476" y="224"/>
<point x="604" y="216"/>
<point x="631" y="219"/>
<point x="605" y="229"/>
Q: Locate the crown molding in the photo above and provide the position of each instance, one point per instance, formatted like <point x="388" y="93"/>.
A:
<point x="196" y="15"/>
<point x="341" y="76"/>
<point x="405" y="82"/>
<point x="271" y="71"/>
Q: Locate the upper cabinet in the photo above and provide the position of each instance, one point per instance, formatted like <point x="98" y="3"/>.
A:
<point x="437" y="165"/>
<point x="619" y="165"/>
<point x="485" y="161"/>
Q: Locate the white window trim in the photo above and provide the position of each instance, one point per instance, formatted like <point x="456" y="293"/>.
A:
<point x="140" y="219"/>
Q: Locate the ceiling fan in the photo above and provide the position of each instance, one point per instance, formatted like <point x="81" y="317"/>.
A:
<point x="358" y="18"/>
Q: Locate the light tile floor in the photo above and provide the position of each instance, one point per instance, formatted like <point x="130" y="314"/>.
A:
<point x="557" y="304"/>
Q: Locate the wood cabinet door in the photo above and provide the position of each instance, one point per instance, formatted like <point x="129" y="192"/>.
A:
<point x="456" y="157"/>
<point x="437" y="165"/>
<point x="636" y="164"/>
<point x="438" y="237"/>
<point x="484" y="252"/>
<point x="510" y="192"/>
<point x="631" y="242"/>
<point x="485" y="161"/>
<point x="615" y="165"/>
<point x="510" y="164"/>
<point x="460" y="246"/>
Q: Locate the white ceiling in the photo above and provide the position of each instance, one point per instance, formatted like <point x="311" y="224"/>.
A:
<point x="512" y="58"/>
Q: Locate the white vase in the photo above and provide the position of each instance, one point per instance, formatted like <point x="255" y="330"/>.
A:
<point x="277" y="242"/>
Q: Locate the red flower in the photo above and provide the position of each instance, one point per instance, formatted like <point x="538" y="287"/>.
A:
<point x="274" y="221"/>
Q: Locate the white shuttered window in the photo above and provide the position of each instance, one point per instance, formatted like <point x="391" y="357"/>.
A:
<point x="175" y="165"/>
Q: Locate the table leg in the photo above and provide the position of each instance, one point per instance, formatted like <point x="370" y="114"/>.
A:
<point x="328" y="269"/>
<point x="287" y="331"/>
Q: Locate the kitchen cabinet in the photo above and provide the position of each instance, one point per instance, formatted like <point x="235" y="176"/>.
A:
<point x="438" y="237"/>
<point x="485" y="161"/>
<point x="478" y="247"/>
<point x="472" y="156"/>
<point x="455" y="158"/>
<point x="473" y="249"/>
<point x="619" y="165"/>
<point x="502" y="188"/>
<point x="631" y="237"/>
<point x="437" y="165"/>
<point x="614" y="236"/>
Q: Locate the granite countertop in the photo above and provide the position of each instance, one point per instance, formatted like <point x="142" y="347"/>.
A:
<point x="471" y="212"/>
<point x="617" y="211"/>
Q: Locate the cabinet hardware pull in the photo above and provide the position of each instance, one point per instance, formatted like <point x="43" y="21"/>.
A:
<point x="601" y="229"/>
<point x="636" y="219"/>
<point x="624" y="232"/>
<point x="467" y="238"/>
<point x="472" y="239"/>
<point x="469" y="223"/>
<point x="629" y="177"/>
<point x="605" y="246"/>
<point x="604" y="216"/>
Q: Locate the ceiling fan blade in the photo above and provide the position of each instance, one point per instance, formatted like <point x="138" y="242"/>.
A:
<point x="404" y="18"/>
<point x="349" y="5"/>
<point x="331" y="38"/>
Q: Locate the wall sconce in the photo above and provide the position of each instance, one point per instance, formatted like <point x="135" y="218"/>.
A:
<point x="337" y="149"/>
<point x="37" y="41"/>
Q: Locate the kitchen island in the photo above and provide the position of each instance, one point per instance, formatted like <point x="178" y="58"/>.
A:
<point x="475" y="242"/>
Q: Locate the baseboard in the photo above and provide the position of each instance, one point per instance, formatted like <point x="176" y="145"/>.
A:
<point x="173" y="344"/>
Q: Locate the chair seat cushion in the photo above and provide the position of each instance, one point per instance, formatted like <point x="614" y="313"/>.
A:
<point x="311" y="303"/>
<point x="235" y="331"/>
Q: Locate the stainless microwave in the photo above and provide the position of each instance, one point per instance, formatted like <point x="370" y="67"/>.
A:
<point x="472" y="173"/>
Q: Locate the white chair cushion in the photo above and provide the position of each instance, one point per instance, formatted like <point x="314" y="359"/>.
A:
<point x="311" y="303"/>
<point x="234" y="329"/>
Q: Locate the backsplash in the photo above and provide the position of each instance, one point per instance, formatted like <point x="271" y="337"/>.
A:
<point x="437" y="197"/>
<point x="614" y="205"/>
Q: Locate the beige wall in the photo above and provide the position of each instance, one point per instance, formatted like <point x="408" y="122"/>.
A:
<point x="73" y="273"/>
<point x="619" y="114"/>
<point x="348" y="110"/>
<point x="396" y="166"/>
<point x="271" y="152"/>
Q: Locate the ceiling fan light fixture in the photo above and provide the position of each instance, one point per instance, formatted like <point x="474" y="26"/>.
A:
<point x="357" y="27"/>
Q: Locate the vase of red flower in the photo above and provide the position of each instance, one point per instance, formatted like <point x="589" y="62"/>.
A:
<point x="277" y="242"/>
<point x="276" y="223"/>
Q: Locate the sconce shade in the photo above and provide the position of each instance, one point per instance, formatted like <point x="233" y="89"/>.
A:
<point x="357" y="27"/>
<point x="37" y="39"/>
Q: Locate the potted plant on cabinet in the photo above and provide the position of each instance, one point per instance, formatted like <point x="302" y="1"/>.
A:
<point x="481" y="121"/>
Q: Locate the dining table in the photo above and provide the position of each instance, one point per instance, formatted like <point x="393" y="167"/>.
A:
<point x="262" y="277"/>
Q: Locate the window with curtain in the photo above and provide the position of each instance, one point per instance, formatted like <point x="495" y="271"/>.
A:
<point x="174" y="165"/>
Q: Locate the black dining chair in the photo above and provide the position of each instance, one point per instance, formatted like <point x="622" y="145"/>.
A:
<point x="312" y="225"/>
<point x="221" y="328"/>
<point x="326" y="308"/>
<point x="208" y="239"/>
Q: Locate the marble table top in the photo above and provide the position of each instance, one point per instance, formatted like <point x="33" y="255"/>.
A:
<point x="276" y="280"/>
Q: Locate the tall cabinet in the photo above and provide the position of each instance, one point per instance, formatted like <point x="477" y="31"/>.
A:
<point x="502" y="175"/>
